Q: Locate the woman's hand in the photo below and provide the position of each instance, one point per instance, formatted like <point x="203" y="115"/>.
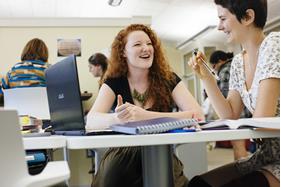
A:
<point x="196" y="63"/>
<point x="129" y="112"/>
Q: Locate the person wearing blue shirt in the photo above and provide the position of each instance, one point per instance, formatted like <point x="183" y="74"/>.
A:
<point x="30" y="71"/>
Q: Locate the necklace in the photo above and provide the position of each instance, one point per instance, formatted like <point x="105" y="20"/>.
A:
<point x="142" y="98"/>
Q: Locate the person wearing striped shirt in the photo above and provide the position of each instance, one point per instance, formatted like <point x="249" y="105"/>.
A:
<point x="30" y="71"/>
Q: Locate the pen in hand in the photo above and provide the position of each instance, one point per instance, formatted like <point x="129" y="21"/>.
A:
<point x="206" y="65"/>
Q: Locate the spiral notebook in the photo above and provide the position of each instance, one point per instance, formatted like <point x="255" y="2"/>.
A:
<point x="153" y="126"/>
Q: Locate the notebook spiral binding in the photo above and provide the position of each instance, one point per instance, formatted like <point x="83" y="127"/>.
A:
<point x="166" y="126"/>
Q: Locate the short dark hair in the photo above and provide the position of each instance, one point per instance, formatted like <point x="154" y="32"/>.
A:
<point x="239" y="8"/>
<point x="35" y="49"/>
<point x="99" y="59"/>
<point x="220" y="55"/>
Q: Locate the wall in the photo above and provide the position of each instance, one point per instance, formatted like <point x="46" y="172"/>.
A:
<point x="174" y="57"/>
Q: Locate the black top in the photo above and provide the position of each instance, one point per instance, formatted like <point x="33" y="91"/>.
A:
<point x="120" y="86"/>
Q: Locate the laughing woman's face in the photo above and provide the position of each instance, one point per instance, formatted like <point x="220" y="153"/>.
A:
<point x="139" y="50"/>
<point x="229" y="24"/>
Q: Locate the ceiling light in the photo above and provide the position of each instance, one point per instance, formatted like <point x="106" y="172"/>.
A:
<point x="114" y="2"/>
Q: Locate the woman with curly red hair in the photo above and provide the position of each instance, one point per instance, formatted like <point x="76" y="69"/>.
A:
<point x="138" y="85"/>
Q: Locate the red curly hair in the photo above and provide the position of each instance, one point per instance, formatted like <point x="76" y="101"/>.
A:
<point x="160" y="75"/>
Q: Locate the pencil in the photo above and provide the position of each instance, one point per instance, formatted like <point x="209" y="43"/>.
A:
<point x="206" y="65"/>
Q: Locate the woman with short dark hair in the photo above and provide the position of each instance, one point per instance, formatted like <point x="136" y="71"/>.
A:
<point x="254" y="83"/>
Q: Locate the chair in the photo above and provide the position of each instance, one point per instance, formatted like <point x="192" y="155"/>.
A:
<point x="13" y="171"/>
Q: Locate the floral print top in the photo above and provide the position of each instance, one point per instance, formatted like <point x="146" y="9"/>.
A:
<point x="267" y="157"/>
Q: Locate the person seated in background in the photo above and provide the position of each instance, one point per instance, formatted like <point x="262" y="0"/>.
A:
<point x="30" y="71"/>
<point x="98" y="65"/>
<point x="254" y="83"/>
<point x="221" y="62"/>
<point x="139" y="84"/>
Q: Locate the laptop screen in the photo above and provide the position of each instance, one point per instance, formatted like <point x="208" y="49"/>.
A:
<point x="64" y="97"/>
<point x="31" y="101"/>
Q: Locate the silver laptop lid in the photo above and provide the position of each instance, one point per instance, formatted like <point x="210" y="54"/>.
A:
<point x="31" y="101"/>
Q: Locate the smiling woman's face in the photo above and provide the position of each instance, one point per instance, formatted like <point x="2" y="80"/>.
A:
<point x="139" y="50"/>
<point x="229" y="25"/>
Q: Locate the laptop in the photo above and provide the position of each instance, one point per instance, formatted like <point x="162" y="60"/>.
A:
<point x="31" y="101"/>
<point x="64" y="97"/>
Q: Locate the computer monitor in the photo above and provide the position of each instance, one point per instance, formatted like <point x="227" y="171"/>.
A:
<point x="64" y="96"/>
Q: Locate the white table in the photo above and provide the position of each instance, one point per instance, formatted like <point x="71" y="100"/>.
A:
<point x="156" y="148"/>
<point x="44" y="142"/>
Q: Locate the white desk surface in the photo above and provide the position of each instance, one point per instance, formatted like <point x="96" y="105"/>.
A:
<point x="44" y="142"/>
<point x="86" y="142"/>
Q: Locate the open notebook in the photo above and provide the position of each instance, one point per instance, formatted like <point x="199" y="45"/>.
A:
<point x="272" y="123"/>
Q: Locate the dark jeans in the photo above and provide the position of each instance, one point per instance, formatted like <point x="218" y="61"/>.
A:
<point x="123" y="167"/>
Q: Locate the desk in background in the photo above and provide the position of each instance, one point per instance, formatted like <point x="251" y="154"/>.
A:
<point x="85" y="96"/>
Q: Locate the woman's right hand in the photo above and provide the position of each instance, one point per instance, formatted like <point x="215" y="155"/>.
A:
<point x="196" y="63"/>
<point x="126" y="112"/>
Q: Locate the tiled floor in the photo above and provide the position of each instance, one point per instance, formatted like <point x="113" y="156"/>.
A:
<point x="218" y="157"/>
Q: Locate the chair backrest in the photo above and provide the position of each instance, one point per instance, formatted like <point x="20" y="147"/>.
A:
<point x="12" y="156"/>
<point x="31" y="101"/>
